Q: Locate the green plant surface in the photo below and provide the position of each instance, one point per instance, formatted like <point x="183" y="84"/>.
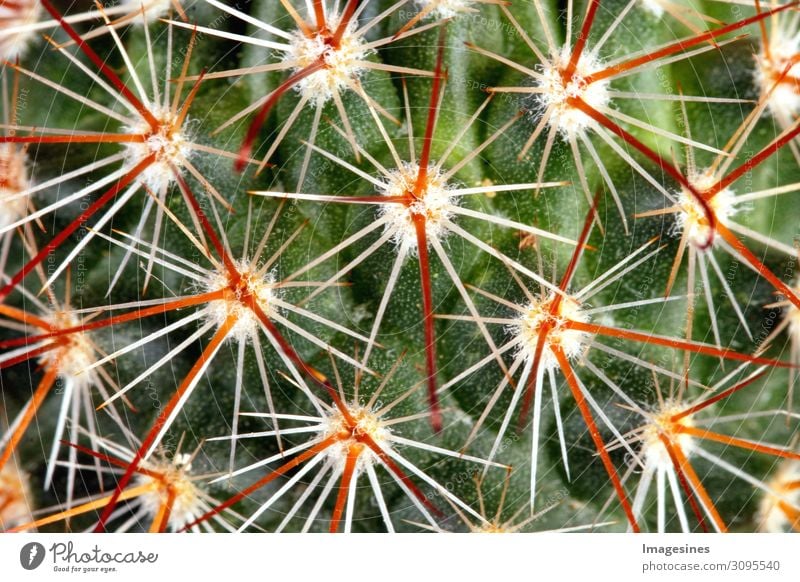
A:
<point x="368" y="265"/>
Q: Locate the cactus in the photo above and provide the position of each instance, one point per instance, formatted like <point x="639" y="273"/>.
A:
<point x="427" y="265"/>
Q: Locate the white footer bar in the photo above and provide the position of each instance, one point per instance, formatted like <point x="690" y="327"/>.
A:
<point x="407" y="558"/>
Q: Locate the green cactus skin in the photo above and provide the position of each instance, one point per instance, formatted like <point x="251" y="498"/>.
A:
<point x="435" y="265"/>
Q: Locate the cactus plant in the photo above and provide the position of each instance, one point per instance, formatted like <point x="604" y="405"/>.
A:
<point x="416" y="265"/>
